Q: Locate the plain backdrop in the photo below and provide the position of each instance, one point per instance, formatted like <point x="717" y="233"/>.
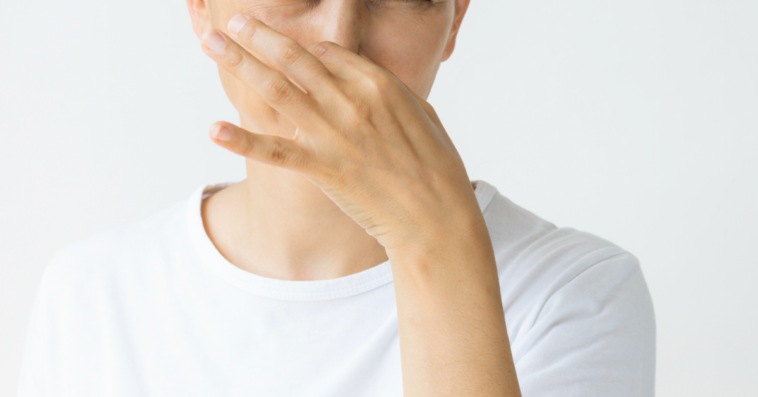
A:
<point x="636" y="121"/>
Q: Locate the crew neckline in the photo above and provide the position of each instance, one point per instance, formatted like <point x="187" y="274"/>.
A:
<point x="291" y="290"/>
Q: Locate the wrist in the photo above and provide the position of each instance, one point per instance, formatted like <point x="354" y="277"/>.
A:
<point x="466" y="240"/>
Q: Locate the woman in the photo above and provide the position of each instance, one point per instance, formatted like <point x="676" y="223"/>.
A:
<point x="356" y="258"/>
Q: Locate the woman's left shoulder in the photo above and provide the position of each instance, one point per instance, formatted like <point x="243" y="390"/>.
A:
<point x="577" y="306"/>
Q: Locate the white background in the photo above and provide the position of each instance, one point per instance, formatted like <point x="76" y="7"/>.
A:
<point x="636" y="121"/>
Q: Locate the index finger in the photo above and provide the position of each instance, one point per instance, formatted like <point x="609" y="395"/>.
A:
<point x="282" y="53"/>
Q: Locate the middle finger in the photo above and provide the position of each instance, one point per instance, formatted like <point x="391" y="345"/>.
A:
<point x="282" y="53"/>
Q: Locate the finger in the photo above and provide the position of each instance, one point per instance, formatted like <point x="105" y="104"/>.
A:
<point x="426" y="106"/>
<point x="358" y="68"/>
<point x="282" y="53"/>
<point x="269" y="149"/>
<point x="347" y="64"/>
<point x="273" y="87"/>
<point x="340" y="61"/>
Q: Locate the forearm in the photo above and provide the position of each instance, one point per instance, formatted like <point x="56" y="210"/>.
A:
<point x="453" y="337"/>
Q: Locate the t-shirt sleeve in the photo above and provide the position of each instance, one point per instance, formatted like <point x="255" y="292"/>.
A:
<point x="40" y="352"/>
<point x="594" y="336"/>
<point x="35" y="344"/>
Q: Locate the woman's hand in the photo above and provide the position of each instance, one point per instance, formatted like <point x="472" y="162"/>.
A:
<point x="375" y="148"/>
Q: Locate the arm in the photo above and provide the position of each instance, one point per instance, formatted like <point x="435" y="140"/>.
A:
<point x="452" y="330"/>
<point x="381" y="154"/>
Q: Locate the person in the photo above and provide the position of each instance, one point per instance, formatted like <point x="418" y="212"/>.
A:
<point x="356" y="258"/>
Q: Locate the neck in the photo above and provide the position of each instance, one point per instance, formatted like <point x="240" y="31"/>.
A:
<point x="279" y="225"/>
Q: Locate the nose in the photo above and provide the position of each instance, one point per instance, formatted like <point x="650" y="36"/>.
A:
<point x="341" y="22"/>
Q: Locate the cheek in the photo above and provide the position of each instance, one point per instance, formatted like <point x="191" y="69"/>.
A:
<point x="414" y="61"/>
<point x="234" y="89"/>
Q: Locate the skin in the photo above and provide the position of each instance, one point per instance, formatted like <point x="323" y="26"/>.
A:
<point x="338" y="136"/>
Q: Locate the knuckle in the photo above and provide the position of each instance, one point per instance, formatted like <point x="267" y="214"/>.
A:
<point x="276" y="153"/>
<point x="319" y="49"/>
<point x="289" y="53"/>
<point x="235" y="60"/>
<point x="277" y="90"/>
<point x="358" y="112"/>
<point x="378" y="81"/>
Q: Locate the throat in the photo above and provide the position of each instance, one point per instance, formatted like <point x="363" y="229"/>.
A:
<point x="287" y="235"/>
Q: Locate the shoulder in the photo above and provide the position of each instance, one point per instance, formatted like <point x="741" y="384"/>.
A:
<point x="110" y="253"/>
<point x="526" y="244"/>
<point x="89" y="287"/>
<point x="577" y="307"/>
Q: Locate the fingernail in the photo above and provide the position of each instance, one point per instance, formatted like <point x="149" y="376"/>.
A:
<point x="214" y="41"/>
<point x="236" y="23"/>
<point x="221" y="133"/>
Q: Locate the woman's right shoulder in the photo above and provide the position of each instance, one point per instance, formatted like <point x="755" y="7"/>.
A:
<point x="115" y="250"/>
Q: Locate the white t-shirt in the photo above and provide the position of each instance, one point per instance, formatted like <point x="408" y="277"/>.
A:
<point x="153" y="309"/>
